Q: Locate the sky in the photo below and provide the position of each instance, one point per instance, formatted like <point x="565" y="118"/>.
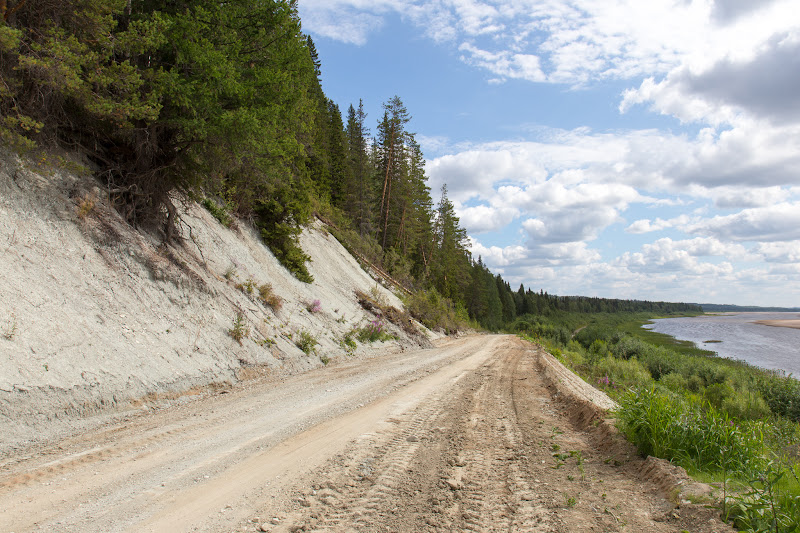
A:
<point x="643" y="149"/>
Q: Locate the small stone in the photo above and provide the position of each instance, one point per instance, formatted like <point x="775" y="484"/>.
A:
<point x="453" y="484"/>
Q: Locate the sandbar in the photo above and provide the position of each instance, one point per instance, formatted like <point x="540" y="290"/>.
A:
<point x="792" y="323"/>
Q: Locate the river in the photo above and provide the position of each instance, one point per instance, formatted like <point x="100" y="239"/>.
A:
<point x="774" y="348"/>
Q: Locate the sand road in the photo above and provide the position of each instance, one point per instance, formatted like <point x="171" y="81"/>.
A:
<point x="471" y="435"/>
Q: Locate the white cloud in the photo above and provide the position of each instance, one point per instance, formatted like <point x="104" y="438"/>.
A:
<point x="727" y="11"/>
<point x="578" y="40"/>
<point x="739" y="197"/>
<point x="726" y="166"/>
<point x="348" y="21"/>
<point x="496" y="256"/>
<point x="780" y="252"/>
<point x="666" y="255"/>
<point x="505" y="64"/>
<point x="766" y="85"/>
<point x="764" y="224"/>
<point x="482" y="218"/>
<point x="723" y="92"/>
<point x="648" y="226"/>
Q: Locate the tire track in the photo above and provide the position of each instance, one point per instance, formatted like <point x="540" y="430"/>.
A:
<point x="499" y="486"/>
<point x="497" y="451"/>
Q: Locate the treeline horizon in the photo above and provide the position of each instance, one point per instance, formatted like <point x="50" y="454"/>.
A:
<point x="223" y="102"/>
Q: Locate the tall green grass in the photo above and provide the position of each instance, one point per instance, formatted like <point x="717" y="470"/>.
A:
<point x="698" y="437"/>
<point x="702" y="439"/>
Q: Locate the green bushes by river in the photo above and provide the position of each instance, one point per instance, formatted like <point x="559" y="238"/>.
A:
<point x="725" y="421"/>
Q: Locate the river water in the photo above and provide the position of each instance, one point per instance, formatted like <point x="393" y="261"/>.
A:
<point x="774" y="348"/>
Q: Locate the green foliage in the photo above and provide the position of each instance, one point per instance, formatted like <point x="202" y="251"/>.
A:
<point x="279" y="217"/>
<point x="306" y="342"/>
<point x="433" y="310"/>
<point x="622" y="373"/>
<point x="240" y="329"/>
<point x="348" y="343"/>
<point x="450" y="268"/>
<point x="782" y="394"/>
<point x="674" y="382"/>
<point x="767" y="504"/>
<point x="221" y="213"/>
<point x="696" y="437"/>
<point x="748" y="406"/>
<point x="374" y="331"/>
<point x="165" y="96"/>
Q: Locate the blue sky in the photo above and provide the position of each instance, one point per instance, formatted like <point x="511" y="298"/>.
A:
<point x="621" y="149"/>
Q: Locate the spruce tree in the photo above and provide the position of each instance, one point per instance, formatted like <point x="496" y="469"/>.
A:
<point x="359" y="195"/>
<point x="451" y="259"/>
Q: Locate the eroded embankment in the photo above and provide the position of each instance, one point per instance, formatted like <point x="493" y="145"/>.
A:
<point x="95" y="315"/>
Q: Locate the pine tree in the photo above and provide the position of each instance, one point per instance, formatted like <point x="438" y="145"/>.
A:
<point x="391" y="148"/>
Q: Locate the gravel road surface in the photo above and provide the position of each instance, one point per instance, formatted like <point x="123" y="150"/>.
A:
<point x="475" y="434"/>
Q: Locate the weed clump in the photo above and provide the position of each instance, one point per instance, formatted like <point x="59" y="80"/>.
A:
<point x="268" y="297"/>
<point x="11" y="328"/>
<point x="246" y="287"/>
<point x="263" y="293"/>
<point x="240" y="329"/>
<point x="314" y="306"/>
<point x="348" y="343"/>
<point x="306" y="342"/>
<point x="374" y="331"/>
<point x="86" y="206"/>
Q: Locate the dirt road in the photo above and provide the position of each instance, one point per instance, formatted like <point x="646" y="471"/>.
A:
<point x="474" y="435"/>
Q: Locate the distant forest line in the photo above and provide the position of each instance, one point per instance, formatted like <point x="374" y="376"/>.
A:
<point x="725" y="308"/>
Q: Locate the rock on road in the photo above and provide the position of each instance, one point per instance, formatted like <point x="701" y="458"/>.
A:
<point x="474" y="435"/>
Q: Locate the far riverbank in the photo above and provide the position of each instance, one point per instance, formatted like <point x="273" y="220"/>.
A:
<point x="765" y="340"/>
<point x="780" y="323"/>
